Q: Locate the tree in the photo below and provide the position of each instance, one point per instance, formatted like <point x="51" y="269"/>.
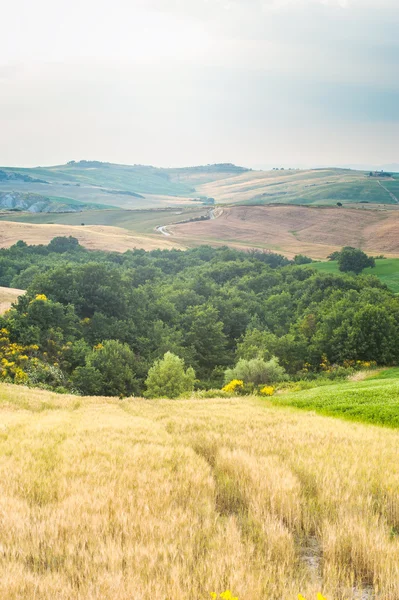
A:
<point x="63" y="244"/>
<point x="301" y="259"/>
<point x="256" y="371"/>
<point x="204" y="333"/>
<point x="354" y="260"/>
<point x="109" y="370"/>
<point x="167" y="378"/>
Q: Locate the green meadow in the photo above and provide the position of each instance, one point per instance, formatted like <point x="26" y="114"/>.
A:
<point x="387" y="270"/>
<point x="374" y="400"/>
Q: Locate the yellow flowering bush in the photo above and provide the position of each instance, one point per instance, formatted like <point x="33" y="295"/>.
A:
<point x="233" y="386"/>
<point x="267" y="390"/>
<point x="14" y="358"/>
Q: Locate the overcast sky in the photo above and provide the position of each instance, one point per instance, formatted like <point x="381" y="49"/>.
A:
<point x="184" y="82"/>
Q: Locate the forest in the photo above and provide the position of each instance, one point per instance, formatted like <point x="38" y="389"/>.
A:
<point x="95" y="322"/>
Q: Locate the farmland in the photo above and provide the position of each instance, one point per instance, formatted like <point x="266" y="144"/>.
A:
<point x="291" y="230"/>
<point x="374" y="400"/>
<point x="94" y="237"/>
<point x="138" y="221"/>
<point x="109" y="499"/>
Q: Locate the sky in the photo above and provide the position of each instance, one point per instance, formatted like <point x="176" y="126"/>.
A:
<point x="259" y="83"/>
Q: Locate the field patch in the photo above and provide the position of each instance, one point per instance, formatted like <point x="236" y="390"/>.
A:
<point x="94" y="237"/>
<point x="7" y="297"/>
<point x="371" y="401"/>
<point x="298" y="229"/>
<point x="385" y="269"/>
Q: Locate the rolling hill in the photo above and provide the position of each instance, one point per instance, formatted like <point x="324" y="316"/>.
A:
<point x="293" y="230"/>
<point x="140" y="186"/>
<point x="315" y="187"/>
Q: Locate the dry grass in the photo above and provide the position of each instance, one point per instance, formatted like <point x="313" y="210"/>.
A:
<point x="297" y="229"/>
<point x="154" y="500"/>
<point x="7" y="297"/>
<point x="94" y="237"/>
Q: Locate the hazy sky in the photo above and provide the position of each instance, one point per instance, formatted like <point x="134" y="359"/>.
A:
<point x="182" y="82"/>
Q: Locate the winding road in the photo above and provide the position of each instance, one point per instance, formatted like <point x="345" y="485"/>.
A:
<point x="214" y="213"/>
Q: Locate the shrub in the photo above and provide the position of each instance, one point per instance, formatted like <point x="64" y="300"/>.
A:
<point x="167" y="378"/>
<point x="257" y="371"/>
<point x="267" y="390"/>
<point x="233" y="386"/>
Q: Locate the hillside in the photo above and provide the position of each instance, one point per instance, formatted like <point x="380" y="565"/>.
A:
<point x="291" y="230"/>
<point x="103" y="498"/>
<point x="314" y="187"/>
<point x="16" y="202"/>
<point x="140" y="186"/>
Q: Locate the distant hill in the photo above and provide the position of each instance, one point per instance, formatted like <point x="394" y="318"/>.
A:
<point x="36" y="203"/>
<point x="139" y="179"/>
<point x="144" y="186"/>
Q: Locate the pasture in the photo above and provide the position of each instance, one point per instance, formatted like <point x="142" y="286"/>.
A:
<point x="385" y="269"/>
<point x="113" y="500"/>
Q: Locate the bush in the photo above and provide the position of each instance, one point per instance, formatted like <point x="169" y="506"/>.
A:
<point x="167" y="378"/>
<point x="257" y="371"/>
<point x="301" y="259"/>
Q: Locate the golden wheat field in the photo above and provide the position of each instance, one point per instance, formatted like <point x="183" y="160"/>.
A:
<point x="171" y="500"/>
<point x="93" y="237"/>
<point x="7" y="297"/>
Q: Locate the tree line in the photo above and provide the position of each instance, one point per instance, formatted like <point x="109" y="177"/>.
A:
<point x="96" y="322"/>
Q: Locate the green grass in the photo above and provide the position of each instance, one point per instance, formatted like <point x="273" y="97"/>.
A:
<point x="387" y="270"/>
<point x="392" y="373"/>
<point x="373" y="401"/>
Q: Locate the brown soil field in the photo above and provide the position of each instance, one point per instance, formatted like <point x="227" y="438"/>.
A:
<point x="291" y="230"/>
<point x="94" y="237"/>
<point x="7" y="297"/>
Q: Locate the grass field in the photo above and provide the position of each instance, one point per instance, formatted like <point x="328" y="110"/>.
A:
<point x="7" y="297"/>
<point x="375" y="400"/>
<point x="385" y="269"/>
<point x="115" y="500"/>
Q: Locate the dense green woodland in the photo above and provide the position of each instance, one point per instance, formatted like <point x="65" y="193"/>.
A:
<point x="211" y="307"/>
